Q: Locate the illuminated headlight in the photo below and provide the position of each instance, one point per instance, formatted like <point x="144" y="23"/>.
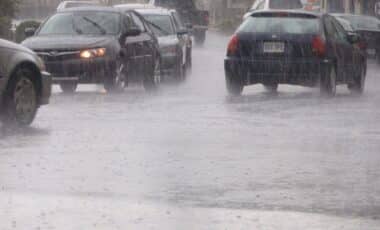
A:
<point x="41" y="64"/>
<point x="93" y="53"/>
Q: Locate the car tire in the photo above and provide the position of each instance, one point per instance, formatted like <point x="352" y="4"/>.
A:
<point x="180" y="71"/>
<point x="234" y="85"/>
<point x="200" y="37"/>
<point x="20" y="101"/>
<point x="189" y="61"/>
<point x="68" y="87"/>
<point x="359" y="81"/>
<point x="152" y="82"/>
<point x="272" y="88"/>
<point x="328" y="83"/>
<point x="117" y="82"/>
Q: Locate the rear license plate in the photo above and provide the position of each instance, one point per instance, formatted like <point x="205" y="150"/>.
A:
<point x="371" y="52"/>
<point x="274" y="47"/>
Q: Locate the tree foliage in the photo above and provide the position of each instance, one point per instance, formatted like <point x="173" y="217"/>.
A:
<point x="8" y="9"/>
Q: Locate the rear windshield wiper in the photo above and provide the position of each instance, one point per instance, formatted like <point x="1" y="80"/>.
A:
<point x="101" y="29"/>
<point x="158" y="27"/>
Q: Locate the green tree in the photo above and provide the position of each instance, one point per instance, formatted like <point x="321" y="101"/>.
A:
<point x="8" y="9"/>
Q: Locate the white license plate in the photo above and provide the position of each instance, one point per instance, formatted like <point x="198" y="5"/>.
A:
<point x="371" y="51"/>
<point x="274" y="47"/>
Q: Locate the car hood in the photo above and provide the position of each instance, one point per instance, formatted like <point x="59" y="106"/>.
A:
<point x="13" y="46"/>
<point x="66" y="42"/>
<point x="170" y="40"/>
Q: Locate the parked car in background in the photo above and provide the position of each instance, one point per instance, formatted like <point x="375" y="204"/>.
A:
<point x="97" y="45"/>
<point x="71" y="4"/>
<point x="190" y="15"/>
<point x="275" y="5"/>
<point x="369" y="28"/>
<point x="24" y="84"/>
<point x="298" y="48"/>
<point x="173" y="39"/>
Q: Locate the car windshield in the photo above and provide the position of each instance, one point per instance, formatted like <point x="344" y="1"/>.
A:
<point x="285" y="4"/>
<point x="162" y="24"/>
<point x="176" y="4"/>
<point x="288" y="25"/>
<point x="346" y="24"/>
<point x="85" y="23"/>
<point x="78" y="4"/>
<point x="363" y="22"/>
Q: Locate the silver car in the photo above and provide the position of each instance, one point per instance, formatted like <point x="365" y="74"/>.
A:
<point x="24" y="84"/>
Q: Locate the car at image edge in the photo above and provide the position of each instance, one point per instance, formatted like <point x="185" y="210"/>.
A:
<point x="24" y="84"/>
<point x="369" y="29"/>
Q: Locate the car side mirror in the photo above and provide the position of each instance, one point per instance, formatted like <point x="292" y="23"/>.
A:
<point x="181" y="32"/>
<point x="131" y="32"/>
<point x="189" y="26"/>
<point x="353" y="38"/>
<point x="29" y="32"/>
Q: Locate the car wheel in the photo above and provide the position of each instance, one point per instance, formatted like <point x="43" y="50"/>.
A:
<point x="272" y="88"/>
<point x="189" y="62"/>
<point x="116" y="82"/>
<point x="21" y="99"/>
<point x="234" y="85"/>
<point x="180" y="71"/>
<point x="68" y="87"/>
<point x="200" y="38"/>
<point x="328" y="83"/>
<point x="152" y="82"/>
<point x="359" y="82"/>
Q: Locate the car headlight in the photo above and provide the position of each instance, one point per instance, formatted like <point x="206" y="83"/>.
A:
<point x="93" y="53"/>
<point x="41" y="64"/>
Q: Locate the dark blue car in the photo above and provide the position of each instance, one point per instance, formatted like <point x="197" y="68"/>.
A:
<point x="294" y="47"/>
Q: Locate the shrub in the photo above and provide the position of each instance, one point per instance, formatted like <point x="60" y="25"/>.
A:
<point x="20" y="30"/>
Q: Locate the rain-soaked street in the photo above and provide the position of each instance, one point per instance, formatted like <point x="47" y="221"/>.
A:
<point x="190" y="157"/>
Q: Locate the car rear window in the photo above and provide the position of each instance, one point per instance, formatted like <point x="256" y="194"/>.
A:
<point x="285" y="4"/>
<point x="280" y="24"/>
<point x="162" y="24"/>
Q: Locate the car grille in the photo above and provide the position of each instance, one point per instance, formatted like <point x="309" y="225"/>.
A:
<point x="54" y="55"/>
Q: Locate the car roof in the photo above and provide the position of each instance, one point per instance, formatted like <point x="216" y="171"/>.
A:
<point x="156" y="11"/>
<point x="133" y="6"/>
<point x="91" y="8"/>
<point x="353" y="15"/>
<point x="295" y="12"/>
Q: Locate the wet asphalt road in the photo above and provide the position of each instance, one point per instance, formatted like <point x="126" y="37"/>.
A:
<point x="190" y="157"/>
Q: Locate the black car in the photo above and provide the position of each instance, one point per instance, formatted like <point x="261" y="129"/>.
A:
<point x="190" y="14"/>
<point x="294" y="47"/>
<point x="369" y="29"/>
<point x="97" y="45"/>
<point x="173" y="39"/>
<point x="24" y="84"/>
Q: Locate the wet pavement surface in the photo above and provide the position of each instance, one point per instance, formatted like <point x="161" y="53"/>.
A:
<point x="190" y="157"/>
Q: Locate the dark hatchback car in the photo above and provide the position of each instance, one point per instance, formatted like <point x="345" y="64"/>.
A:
<point x="24" y="84"/>
<point x="369" y="29"/>
<point x="294" y="47"/>
<point x="97" y="45"/>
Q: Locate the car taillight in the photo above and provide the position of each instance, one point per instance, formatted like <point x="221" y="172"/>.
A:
<point x="319" y="46"/>
<point x="207" y="19"/>
<point x="233" y="45"/>
<point x="362" y="45"/>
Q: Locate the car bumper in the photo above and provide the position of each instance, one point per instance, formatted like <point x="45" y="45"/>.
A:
<point x="298" y="72"/>
<point x="81" y="71"/>
<point x="46" y="82"/>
